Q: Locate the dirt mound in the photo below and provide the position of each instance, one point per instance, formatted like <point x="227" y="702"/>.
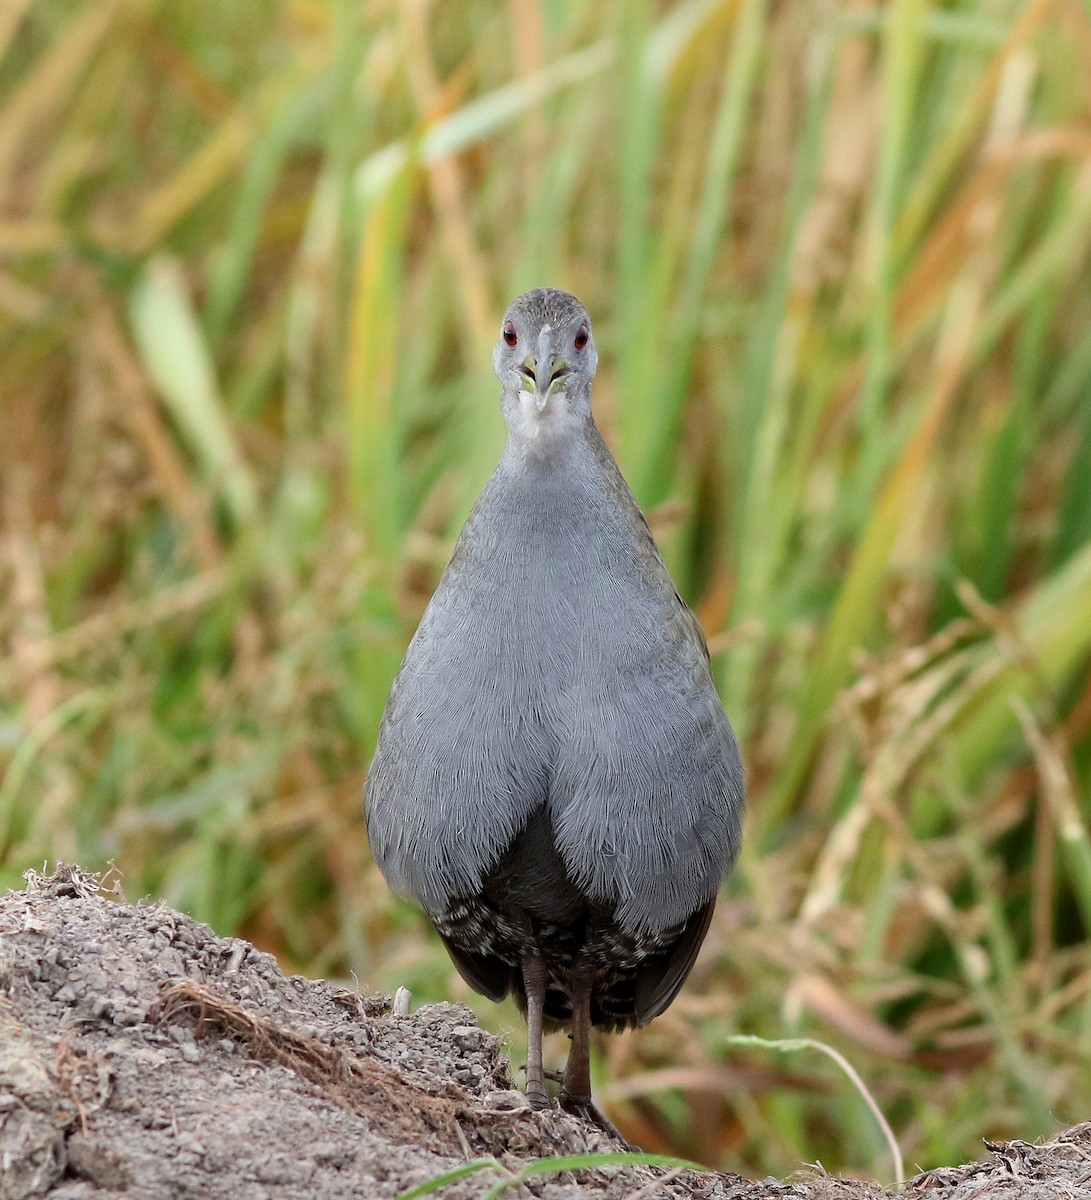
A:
<point x="143" y="1057"/>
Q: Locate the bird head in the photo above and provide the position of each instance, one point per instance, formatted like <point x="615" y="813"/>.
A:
<point x="545" y="358"/>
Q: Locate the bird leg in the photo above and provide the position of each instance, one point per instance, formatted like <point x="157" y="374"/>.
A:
<point x="575" y="1094"/>
<point x="576" y="1088"/>
<point x="535" y="980"/>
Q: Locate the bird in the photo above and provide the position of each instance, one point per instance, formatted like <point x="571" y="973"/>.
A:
<point x="555" y="781"/>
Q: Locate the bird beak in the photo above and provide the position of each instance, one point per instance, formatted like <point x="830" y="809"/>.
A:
<point x="545" y="368"/>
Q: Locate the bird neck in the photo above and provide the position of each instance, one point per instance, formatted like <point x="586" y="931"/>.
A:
<point x="547" y="437"/>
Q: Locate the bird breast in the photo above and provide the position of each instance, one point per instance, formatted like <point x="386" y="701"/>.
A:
<point x="556" y="667"/>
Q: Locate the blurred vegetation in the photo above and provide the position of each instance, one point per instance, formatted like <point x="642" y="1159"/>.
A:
<point x="252" y="261"/>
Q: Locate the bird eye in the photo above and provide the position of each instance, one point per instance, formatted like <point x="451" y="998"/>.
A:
<point x="581" y="337"/>
<point x="510" y="336"/>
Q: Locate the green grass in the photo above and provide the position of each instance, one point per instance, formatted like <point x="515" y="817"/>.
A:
<point x="252" y="261"/>
<point x="558" y="1165"/>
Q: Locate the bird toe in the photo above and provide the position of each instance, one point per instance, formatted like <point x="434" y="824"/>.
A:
<point x="585" y="1108"/>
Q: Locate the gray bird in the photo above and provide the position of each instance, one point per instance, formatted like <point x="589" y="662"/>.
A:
<point x="555" y="781"/>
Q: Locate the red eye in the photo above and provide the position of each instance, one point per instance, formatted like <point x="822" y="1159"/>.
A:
<point x="510" y="336"/>
<point x="581" y="337"/>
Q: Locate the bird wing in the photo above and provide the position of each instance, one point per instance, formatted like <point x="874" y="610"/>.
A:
<point x="647" y="790"/>
<point x="485" y="973"/>
<point x="659" y="979"/>
<point x="461" y="760"/>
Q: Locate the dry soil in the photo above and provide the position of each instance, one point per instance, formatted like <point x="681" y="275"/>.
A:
<point x="143" y="1057"/>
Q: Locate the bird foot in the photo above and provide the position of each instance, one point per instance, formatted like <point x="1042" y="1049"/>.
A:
<point x="585" y="1107"/>
<point x="536" y="1092"/>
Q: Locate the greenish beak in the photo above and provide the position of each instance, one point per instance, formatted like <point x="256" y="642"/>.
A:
<point x="544" y="368"/>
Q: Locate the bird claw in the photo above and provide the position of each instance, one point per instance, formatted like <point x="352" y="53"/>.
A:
<point x="576" y="1106"/>
<point x="536" y="1094"/>
<point x="585" y="1107"/>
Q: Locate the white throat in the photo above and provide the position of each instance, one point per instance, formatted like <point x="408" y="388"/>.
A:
<point x="539" y="430"/>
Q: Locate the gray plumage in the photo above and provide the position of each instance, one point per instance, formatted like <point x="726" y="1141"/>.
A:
<point x="555" y="780"/>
